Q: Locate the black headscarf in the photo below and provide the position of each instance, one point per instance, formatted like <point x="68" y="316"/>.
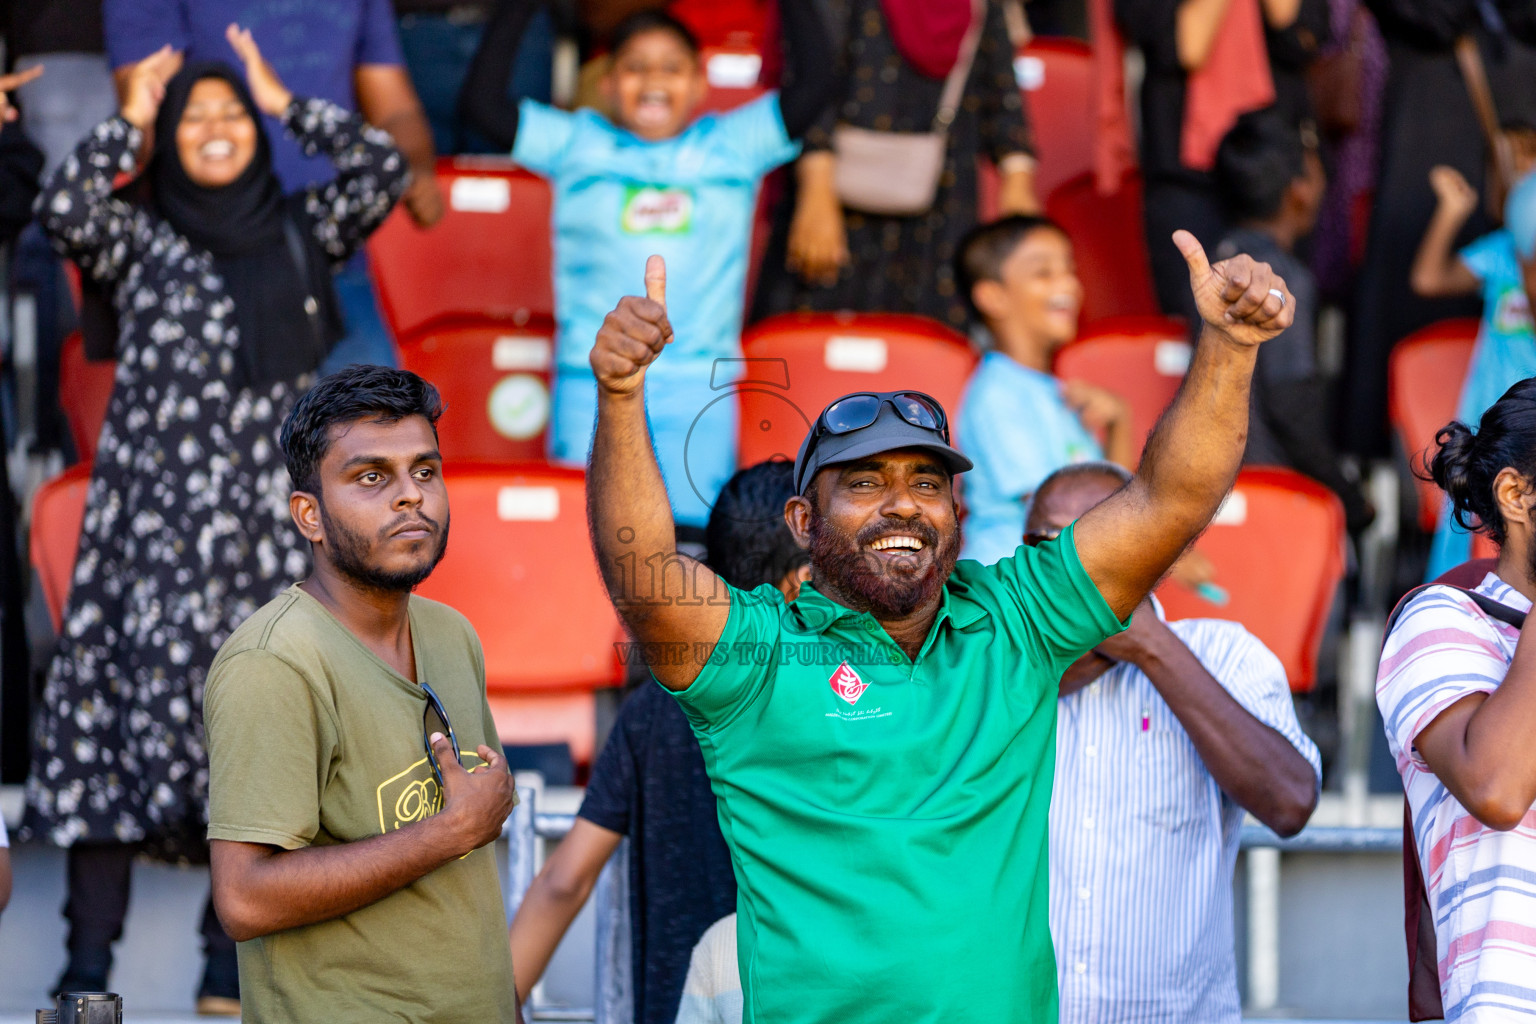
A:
<point x="242" y="225"/>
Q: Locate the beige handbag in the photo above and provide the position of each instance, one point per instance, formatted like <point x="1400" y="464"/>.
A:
<point x="897" y="173"/>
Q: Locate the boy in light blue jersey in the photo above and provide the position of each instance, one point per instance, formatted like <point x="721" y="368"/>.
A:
<point x="1502" y="265"/>
<point x="1017" y="422"/>
<point x="654" y="180"/>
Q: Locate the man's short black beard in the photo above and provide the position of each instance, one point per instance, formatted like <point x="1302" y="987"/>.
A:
<point x="864" y="582"/>
<point x="349" y="551"/>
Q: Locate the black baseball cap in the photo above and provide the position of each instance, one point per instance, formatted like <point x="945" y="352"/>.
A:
<point x="869" y="422"/>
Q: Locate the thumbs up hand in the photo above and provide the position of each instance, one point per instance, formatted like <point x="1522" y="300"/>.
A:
<point x="633" y="335"/>
<point x="1240" y="297"/>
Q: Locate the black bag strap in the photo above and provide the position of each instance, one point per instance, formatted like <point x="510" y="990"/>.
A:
<point x="300" y="255"/>
<point x="1491" y="608"/>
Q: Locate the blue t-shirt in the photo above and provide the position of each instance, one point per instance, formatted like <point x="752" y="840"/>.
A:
<point x="315" y="46"/>
<point x="1506" y="348"/>
<point x="1017" y="430"/>
<point x="649" y="784"/>
<point x="619" y="199"/>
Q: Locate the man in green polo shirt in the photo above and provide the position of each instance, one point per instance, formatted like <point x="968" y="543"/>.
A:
<point x="882" y="749"/>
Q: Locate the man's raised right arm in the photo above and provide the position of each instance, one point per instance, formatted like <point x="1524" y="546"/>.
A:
<point x="667" y="599"/>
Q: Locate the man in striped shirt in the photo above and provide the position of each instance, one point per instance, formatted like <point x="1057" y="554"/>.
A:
<point x="1166" y="734"/>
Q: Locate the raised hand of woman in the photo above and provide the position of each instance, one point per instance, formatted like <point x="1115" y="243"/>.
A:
<point x="271" y="95"/>
<point x="146" y="86"/>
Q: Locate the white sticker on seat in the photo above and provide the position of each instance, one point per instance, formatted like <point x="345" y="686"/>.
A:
<point x="1030" y="71"/>
<point x="528" y="504"/>
<point x="522" y="352"/>
<point x="856" y="355"/>
<point x="480" y="195"/>
<point x="1171" y="358"/>
<point x="1233" y="511"/>
<point x="733" y="70"/>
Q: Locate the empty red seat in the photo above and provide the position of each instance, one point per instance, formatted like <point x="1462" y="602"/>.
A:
<point x="520" y="566"/>
<point x="1424" y="376"/>
<point x="731" y="73"/>
<point x="494" y="379"/>
<point x="1141" y="359"/>
<point x="490" y="257"/>
<point x="1278" y="547"/>
<point x="1110" y="245"/>
<point x="58" y="509"/>
<point x="85" y="389"/>
<point x="799" y="362"/>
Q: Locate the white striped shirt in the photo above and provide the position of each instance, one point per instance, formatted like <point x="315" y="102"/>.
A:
<point x="1481" y="882"/>
<point x="1143" y="841"/>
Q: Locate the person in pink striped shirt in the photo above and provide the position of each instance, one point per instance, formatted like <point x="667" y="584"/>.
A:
<point x="1457" y="691"/>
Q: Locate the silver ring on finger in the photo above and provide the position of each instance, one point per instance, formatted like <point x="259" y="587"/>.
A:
<point x="1277" y="293"/>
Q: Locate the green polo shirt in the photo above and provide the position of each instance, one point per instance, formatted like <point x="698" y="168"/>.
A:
<point x="887" y="817"/>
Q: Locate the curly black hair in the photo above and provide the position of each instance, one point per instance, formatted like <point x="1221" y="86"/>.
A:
<point x="357" y="392"/>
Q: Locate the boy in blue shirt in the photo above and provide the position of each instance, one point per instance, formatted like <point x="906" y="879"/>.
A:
<point x="1502" y="264"/>
<point x="654" y="180"/>
<point x="1018" y="423"/>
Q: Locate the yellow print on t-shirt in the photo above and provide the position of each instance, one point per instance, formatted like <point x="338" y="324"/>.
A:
<point x="414" y="795"/>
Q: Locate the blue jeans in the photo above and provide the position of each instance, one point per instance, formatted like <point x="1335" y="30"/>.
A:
<point x="367" y="339"/>
<point x="438" y="49"/>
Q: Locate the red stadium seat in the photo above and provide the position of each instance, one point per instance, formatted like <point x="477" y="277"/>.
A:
<point x="58" y="509"/>
<point x="494" y="379"/>
<point x="1483" y="547"/>
<point x="1110" y="245"/>
<point x="85" y="388"/>
<point x="490" y="257"/>
<point x="732" y="75"/>
<point x="1056" y="77"/>
<point x="1141" y="359"/>
<point x="520" y="567"/>
<point x="1424" y="377"/>
<point x="1278" y="547"/>
<point x="799" y="362"/>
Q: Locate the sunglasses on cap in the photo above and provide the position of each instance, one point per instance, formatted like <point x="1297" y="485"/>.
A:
<point x="435" y="719"/>
<point x="855" y="412"/>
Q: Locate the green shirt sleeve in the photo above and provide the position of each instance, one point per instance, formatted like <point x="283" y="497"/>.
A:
<point x="738" y="666"/>
<point x="1058" y="598"/>
<point x="271" y="745"/>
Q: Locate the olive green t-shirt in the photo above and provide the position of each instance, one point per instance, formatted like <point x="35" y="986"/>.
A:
<point x="887" y="817"/>
<point x="314" y="741"/>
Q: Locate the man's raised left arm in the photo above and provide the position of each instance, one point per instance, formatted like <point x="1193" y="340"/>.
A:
<point x="1127" y="542"/>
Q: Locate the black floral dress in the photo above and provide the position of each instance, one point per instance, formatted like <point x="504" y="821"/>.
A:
<point x="186" y="529"/>
<point x="904" y="264"/>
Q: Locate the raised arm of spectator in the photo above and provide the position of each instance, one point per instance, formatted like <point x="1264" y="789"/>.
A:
<point x="633" y="532"/>
<point x="372" y="173"/>
<point x="388" y="100"/>
<point x="77" y="209"/>
<point x="1128" y="542"/>
<point x="557" y="894"/>
<point x="1437" y="270"/>
<point x="483" y="101"/>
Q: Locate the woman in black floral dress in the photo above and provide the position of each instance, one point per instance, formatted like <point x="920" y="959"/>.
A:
<point x="822" y="258"/>
<point x="221" y="286"/>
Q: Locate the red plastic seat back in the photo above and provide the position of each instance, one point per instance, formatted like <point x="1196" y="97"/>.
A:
<point x="1110" y="245"/>
<point x="1278" y="548"/>
<point x="85" y="389"/>
<point x="1424" y="378"/>
<point x="58" y="509"/>
<point x="489" y="257"/>
<point x="800" y="362"/>
<point x="732" y="74"/>
<point x="1056" y="76"/>
<point x="1141" y="359"/>
<point x="494" y="379"/>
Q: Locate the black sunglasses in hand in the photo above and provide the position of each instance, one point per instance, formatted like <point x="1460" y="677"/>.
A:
<point x="434" y="720"/>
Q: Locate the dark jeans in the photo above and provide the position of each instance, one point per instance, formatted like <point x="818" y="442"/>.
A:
<point x="97" y="905"/>
<point x="438" y="49"/>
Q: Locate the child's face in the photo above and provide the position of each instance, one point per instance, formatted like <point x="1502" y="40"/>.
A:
<point x="1040" y="293"/>
<point x="655" y="85"/>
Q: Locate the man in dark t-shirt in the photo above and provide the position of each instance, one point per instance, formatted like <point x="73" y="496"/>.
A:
<point x="649" y="784"/>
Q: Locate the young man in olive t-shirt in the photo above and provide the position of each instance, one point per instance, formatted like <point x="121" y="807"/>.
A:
<point x="881" y="750"/>
<point x="349" y="833"/>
